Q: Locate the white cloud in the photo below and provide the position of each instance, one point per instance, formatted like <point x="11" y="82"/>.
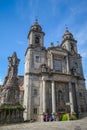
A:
<point x="81" y="35"/>
<point x="1" y="81"/>
<point x="86" y="81"/>
<point x="27" y="9"/>
<point x="84" y="54"/>
<point x="78" y="10"/>
<point x="20" y="42"/>
<point x="54" y="8"/>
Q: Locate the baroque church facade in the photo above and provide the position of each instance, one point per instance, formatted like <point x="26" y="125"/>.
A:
<point x="53" y="79"/>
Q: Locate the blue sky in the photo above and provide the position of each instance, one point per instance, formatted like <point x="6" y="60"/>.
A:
<point x="16" y="17"/>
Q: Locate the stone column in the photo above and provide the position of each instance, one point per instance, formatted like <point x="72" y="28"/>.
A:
<point x="53" y="98"/>
<point x="71" y="98"/>
<point x="41" y="102"/>
<point x="44" y="96"/>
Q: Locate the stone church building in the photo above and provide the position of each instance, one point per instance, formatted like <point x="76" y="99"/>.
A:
<point x="53" y="79"/>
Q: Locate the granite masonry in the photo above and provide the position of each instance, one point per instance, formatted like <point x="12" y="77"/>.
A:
<point x="53" y="81"/>
<point x="10" y="109"/>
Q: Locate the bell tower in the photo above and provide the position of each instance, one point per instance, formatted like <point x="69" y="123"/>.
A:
<point x="34" y="58"/>
<point x="69" y="43"/>
<point x="36" y="35"/>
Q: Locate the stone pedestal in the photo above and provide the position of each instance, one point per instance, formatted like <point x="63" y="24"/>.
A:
<point x="11" y="114"/>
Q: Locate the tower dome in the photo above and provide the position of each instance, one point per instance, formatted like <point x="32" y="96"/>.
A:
<point x="36" y="26"/>
<point x="68" y="42"/>
<point x="67" y="34"/>
<point x="36" y="35"/>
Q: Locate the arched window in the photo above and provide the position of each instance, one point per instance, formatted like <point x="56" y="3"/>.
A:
<point x="37" y="39"/>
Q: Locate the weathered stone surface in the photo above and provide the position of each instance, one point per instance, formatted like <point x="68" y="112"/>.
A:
<point x="60" y="65"/>
<point x="10" y="109"/>
<point x="10" y="90"/>
<point x="53" y="77"/>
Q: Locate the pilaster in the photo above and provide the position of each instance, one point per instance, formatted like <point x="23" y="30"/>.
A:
<point x="51" y="61"/>
<point x="53" y="98"/>
<point x="44" y="96"/>
<point x="77" y="96"/>
<point x="71" y="98"/>
<point x="67" y="64"/>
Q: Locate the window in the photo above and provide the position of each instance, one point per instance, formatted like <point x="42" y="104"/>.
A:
<point x="37" y="59"/>
<point x="80" y="94"/>
<point x="66" y="37"/>
<point x="35" y="111"/>
<point x="58" y="65"/>
<point x="36" y="39"/>
<point x="35" y="92"/>
<point x="76" y="64"/>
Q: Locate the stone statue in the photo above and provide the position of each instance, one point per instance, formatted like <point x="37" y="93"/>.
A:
<point x="10" y="90"/>
<point x="10" y="94"/>
<point x="13" y="65"/>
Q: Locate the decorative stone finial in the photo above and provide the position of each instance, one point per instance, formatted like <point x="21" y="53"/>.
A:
<point x="36" y="21"/>
<point x="57" y="42"/>
<point x="66" y="27"/>
<point x="51" y="44"/>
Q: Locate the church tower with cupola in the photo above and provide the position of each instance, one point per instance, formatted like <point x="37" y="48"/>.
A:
<point x="34" y="58"/>
<point x="69" y="43"/>
<point x="75" y="60"/>
<point x="53" y="77"/>
<point x="36" y="35"/>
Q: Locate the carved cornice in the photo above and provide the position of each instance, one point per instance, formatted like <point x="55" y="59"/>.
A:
<point x="31" y="73"/>
<point x="35" y="47"/>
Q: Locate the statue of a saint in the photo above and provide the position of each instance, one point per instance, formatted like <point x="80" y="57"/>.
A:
<point x="13" y="65"/>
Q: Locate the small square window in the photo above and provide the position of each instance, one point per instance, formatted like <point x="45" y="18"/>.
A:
<point x="37" y="59"/>
<point x="58" y="65"/>
<point x="35" y="111"/>
<point x="35" y="92"/>
<point x="80" y="94"/>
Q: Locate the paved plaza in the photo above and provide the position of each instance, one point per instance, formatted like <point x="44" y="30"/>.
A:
<point x="64" y="125"/>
